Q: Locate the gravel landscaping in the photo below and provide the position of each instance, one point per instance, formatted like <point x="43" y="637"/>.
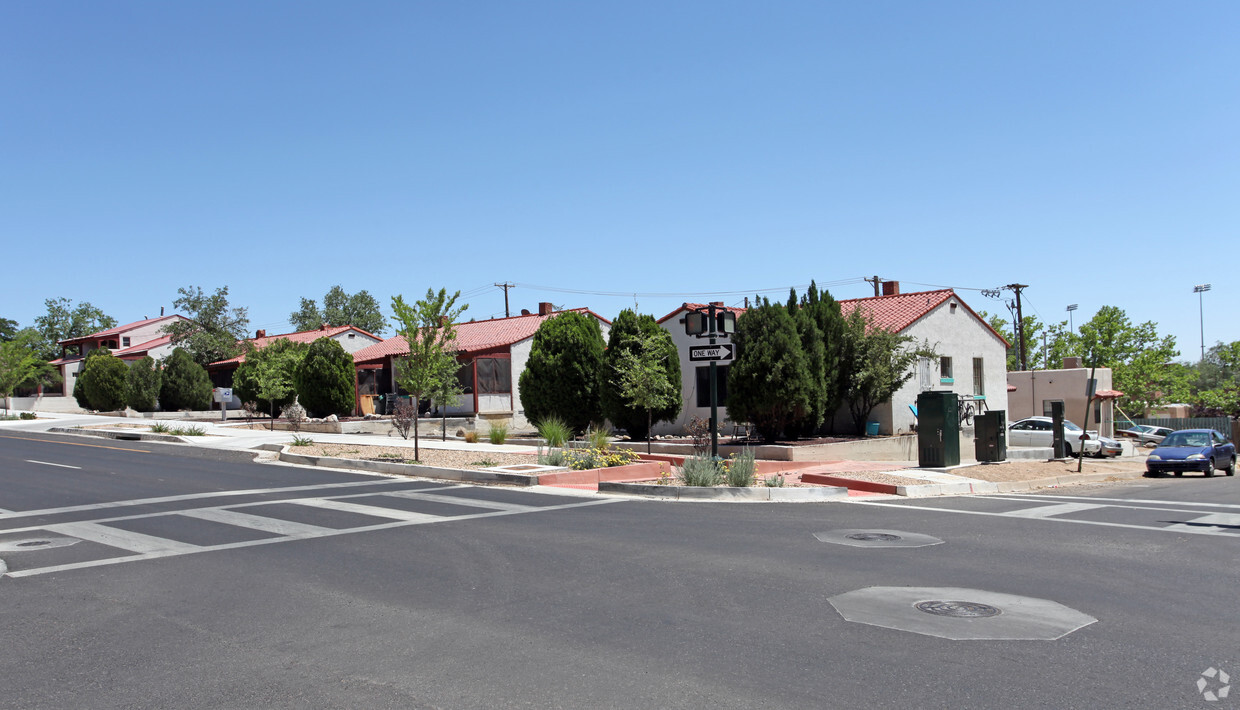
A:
<point x="443" y="458"/>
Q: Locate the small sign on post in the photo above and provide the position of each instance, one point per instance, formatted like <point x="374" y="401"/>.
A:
<point x="721" y="352"/>
<point x="223" y="395"/>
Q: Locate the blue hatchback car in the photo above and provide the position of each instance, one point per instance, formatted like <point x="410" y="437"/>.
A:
<point x="1204" y="450"/>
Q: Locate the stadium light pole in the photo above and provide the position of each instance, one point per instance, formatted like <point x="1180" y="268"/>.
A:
<point x="1071" y="307"/>
<point x="1201" y="311"/>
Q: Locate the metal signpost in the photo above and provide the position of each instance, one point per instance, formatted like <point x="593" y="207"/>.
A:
<point x="223" y="395"/>
<point x="710" y="323"/>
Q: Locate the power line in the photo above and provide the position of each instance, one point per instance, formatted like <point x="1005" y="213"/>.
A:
<point x="667" y="294"/>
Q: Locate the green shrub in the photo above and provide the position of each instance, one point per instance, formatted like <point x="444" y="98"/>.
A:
<point x="267" y="375"/>
<point x="28" y="415"/>
<point x="485" y="463"/>
<point x="554" y="431"/>
<point x="776" y="481"/>
<point x="553" y="457"/>
<point x="185" y="384"/>
<point x="561" y="376"/>
<point x="302" y="441"/>
<point x="83" y="378"/>
<point x="598" y="437"/>
<point x="498" y="433"/>
<point x="105" y="382"/>
<point x="142" y="385"/>
<point x="700" y="471"/>
<point x="159" y="428"/>
<point x="324" y="379"/>
<point x="586" y="459"/>
<point x="193" y="430"/>
<point x="741" y="469"/>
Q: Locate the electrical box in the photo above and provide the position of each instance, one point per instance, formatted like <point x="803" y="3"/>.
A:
<point x="938" y="429"/>
<point x="990" y="436"/>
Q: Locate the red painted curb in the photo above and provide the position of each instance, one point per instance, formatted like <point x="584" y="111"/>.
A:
<point x="868" y="486"/>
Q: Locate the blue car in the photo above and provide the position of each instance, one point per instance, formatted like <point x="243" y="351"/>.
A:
<point x="1203" y="450"/>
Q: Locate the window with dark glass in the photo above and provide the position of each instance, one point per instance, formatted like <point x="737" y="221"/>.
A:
<point x="494" y="375"/>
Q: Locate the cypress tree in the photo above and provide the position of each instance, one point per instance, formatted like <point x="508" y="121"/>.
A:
<point x="812" y="345"/>
<point x="105" y="381"/>
<point x="561" y="376"/>
<point x="621" y="339"/>
<point x="769" y="384"/>
<point x="142" y="385"/>
<point x="832" y="327"/>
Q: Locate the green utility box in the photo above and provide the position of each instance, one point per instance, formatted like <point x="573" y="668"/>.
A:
<point x="990" y="436"/>
<point x="938" y="429"/>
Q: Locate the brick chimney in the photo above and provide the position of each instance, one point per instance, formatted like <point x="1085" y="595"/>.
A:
<point x="891" y="288"/>
<point x="260" y="334"/>
<point x="545" y="309"/>
<point x="717" y="304"/>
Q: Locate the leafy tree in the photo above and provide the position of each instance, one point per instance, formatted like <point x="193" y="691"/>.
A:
<point x="105" y="377"/>
<point x="20" y="362"/>
<point x="339" y="308"/>
<point x="882" y="361"/>
<point x="562" y="375"/>
<point x="64" y="321"/>
<point x="769" y="383"/>
<point x="267" y="376"/>
<point x="325" y="379"/>
<point x="142" y="385"/>
<point x="1137" y="356"/>
<point x="630" y="333"/>
<point x="8" y="329"/>
<point x="642" y="378"/>
<point x="428" y="326"/>
<point x="185" y="384"/>
<point x="213" y="330"/>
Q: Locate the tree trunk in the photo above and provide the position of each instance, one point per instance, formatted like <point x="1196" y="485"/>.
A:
<point x="417" y="401"/>
<point x="649" y="429"/>
<point x="273" y="415"/>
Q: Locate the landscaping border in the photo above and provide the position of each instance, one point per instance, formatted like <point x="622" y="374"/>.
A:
<point x="753" y="494"/>
<point x="118" y="435"/>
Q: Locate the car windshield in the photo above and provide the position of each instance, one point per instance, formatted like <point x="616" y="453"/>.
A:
<point x="1070" y="426"/>
<point x="1187" y="438"/>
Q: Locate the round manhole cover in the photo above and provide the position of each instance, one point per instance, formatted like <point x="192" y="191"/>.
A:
<point x="34" y="543"/>
<point x="873" y="537"/>
<point x="957" y="610"/>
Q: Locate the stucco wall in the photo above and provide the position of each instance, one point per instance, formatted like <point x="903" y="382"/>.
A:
<point x="1035" y="387"/>
<point x="355" y="343"/>
<point x="688" y="377"/>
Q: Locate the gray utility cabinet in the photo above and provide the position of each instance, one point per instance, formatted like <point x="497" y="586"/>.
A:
<point x="938" y="429"/>
<point x="990" y="436"/>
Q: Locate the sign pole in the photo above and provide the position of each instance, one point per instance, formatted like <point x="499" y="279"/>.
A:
<point x="714" y="392"/>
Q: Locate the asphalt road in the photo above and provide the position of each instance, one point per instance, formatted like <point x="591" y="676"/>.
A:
<point x="160" y="576"/>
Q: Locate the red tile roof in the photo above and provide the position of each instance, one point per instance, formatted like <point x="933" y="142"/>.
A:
<point x="898" y="312"/>
<point x="474" y="336"/>
<point x="119" y="329"/>
<point x="304" y="336"/>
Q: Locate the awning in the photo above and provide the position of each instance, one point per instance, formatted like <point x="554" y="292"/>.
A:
<point x="1108" y="394"/>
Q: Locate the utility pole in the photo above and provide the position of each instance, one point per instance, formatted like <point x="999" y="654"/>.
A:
<point x="1020" y="327"/>
<point x="876" y="281"/>
<point x="506" y="286"/>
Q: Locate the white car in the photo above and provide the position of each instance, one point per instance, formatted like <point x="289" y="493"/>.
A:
<point x="1038" y="431"/>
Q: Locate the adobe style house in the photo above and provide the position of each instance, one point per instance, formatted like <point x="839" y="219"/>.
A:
<point x="351" y="338"/>
<point x="130" y="342"/>
<point x="970" y="357"/>
<point x="1031" y="392"/>
<point x="695" y="376"/>
<point x="493" y="354"/>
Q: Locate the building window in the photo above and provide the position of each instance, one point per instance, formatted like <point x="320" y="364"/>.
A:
<point x="979" y="377"/>
<point x="703" y="385"/>
<point x="945" y="370"/>
<point x="494" y="375"/>
<point x="125" y="342"/>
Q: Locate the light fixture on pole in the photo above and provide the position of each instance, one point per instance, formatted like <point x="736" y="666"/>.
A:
<point x="1071" y="307"/>
<point x="1201" y="311"/>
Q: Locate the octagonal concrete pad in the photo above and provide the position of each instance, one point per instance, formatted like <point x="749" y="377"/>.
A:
<point x="1019" y="618"/>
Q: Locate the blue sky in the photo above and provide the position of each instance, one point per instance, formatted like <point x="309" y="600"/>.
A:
<point x="581" y="150"/>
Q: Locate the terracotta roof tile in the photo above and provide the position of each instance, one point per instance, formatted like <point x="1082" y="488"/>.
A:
<point x="303" y="336"/>
<point x="898" y="312"/>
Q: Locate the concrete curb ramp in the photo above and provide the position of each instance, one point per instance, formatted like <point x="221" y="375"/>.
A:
<point x="963" y="487"/>
<point x="749" y="495"/>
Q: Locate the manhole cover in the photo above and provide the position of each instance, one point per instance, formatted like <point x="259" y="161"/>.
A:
<point x="873" y="537"/>
<point x="34" y="543"/>
<point x="958" y="610"/>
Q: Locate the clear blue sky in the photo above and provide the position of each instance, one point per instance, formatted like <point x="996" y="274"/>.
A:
<point x="586" y="149"/>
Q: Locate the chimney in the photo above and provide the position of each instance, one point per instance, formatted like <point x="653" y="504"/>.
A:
<point x="891" y="288"/>
<point x="260" y="334"/>
<point x="324" y="326"/>
<point x="545" y="308"/>
<point x="1072" y="363"/>
<point x="717" y="304"/>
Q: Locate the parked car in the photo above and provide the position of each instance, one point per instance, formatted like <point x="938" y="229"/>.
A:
<point x="1109" y="447"/>
<point x="1204" y="450"/>
<point x="1038" y="431"/>
<point x="1147" y="434"/>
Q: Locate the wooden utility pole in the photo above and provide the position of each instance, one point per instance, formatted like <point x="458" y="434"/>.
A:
<point x="1020" y="327"/>
<point x="506" y="286"/>
<point x="876" y="281"/>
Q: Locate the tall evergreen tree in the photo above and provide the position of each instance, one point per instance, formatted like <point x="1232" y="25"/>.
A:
<point x="185" y="384"/>
<point x="142" y="385"/>
<point x="105" y="382"/>
<point x="627" y="332"/>
<point x="769" y="384"/>
<point x="562" y="375"/>
<point x="826" y="314"/>
<point x="815" y="353"/>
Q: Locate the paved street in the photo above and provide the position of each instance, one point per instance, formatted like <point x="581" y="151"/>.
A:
<point x="148" y="575"/>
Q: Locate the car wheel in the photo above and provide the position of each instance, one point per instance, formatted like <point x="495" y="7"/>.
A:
<point x="1067" y="450"/>
<point x="1179" y="473"/>
<point x="1210" y="468"/>
<point x="1231" y="467"/>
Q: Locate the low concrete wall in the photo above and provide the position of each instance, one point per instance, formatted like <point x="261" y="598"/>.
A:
<point x="406" y="469"/>
<point x="751" y="495"/>
<point x="61" y="405"/>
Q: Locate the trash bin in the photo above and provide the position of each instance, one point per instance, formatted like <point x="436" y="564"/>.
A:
<point x="871" y="428"/>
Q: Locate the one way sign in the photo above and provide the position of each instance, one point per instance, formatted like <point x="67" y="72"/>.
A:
<point x="721" y="352"/>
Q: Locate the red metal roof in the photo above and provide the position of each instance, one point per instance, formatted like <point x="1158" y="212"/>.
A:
<point x="474" y="335"/>
<point x="897" y="312"/>
<point x="142" y="348"/>
<point x="303" y="336"/>
<point x="119" y="329"/>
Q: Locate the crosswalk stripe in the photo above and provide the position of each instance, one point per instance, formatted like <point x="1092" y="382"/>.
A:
<point x="254" y="522"/>
<point x="458" y="500"/>
<point x="1045" y="511"/>
<point x="124" y="539"/>
<point x="373" y="511"/>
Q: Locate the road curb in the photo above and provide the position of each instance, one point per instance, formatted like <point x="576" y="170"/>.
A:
<point x="118" y="435"/>
<point x="753" y="494"/>
<point x="409" y="469"/>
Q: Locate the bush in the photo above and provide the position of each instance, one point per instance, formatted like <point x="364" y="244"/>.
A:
<point x="741" y="469"/>
<point x="405" y="418"/>
<point x="274" y="366"/>
<point x="324" y="379"/>
<point x="554" y="431"/>
<point x="562" y="374"/>
<point x="700" y="471"/>
<point x="105" y="382"/>
<point x="586" y="459"/>
<point x="302" y="441"/>
<point x="79" y="387"/>
<point x="471" y="437"/>
<point x="185" y="384"/>
<point x="623" y="337"/>
<point x="28" y="415"/>
<point x="498" y="433"/>
<point x="142" y="385"/>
